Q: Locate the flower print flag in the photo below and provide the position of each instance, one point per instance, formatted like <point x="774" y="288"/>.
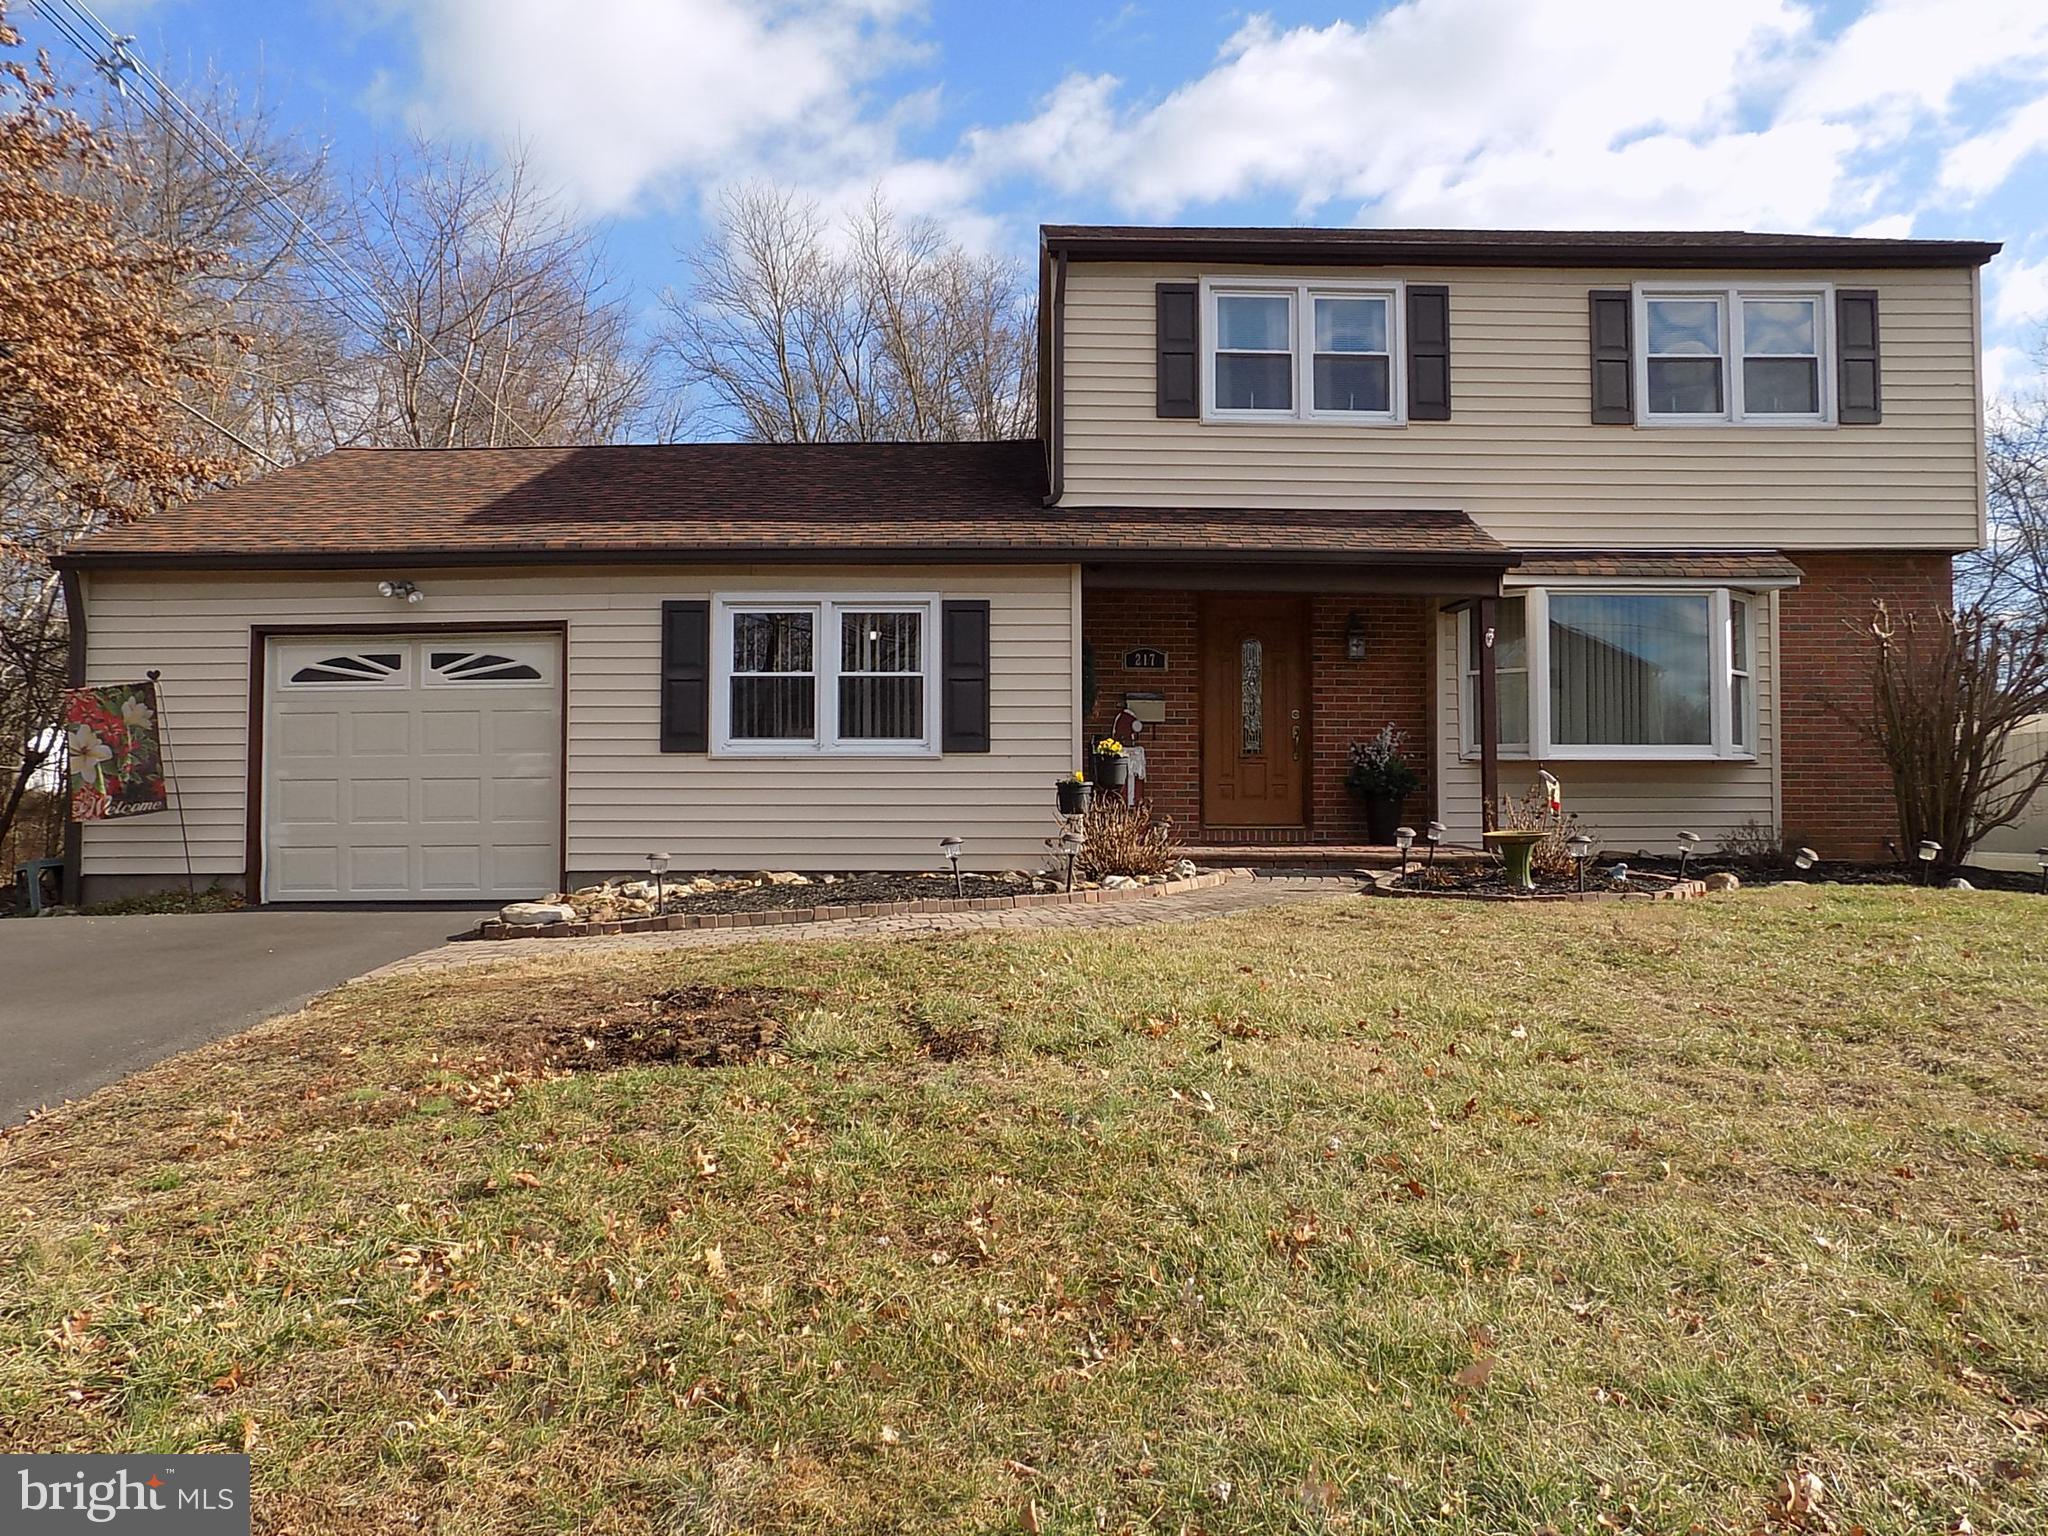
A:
<point x="116" y="752"/>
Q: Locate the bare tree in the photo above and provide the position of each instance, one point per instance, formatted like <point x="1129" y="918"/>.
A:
<point x="1948" y="692"/>
<point x="885" y="329"/>
<point x="2010" y="574"/>
<point x="493" y="317"/>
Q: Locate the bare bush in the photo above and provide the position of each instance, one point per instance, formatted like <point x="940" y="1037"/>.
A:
<point x="1948" y="692"/>
<point x="1125" y="839"/>
<point x="1532" y="813"/>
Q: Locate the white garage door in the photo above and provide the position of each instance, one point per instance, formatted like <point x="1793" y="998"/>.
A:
<point x="412" y="768"/>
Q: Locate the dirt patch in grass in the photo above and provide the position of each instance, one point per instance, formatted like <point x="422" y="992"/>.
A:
<point x="693" y="1026"/>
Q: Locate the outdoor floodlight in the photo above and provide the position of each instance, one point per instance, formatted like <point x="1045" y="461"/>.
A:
<point x="400" y="589"/>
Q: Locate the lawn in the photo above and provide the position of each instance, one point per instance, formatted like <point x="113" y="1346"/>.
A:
<point x="1362" y="1215"/>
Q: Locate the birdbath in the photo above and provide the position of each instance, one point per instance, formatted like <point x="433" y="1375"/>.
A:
<point x="1516" y="846"/>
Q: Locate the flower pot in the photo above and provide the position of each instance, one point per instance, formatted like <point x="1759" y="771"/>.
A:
<point x="1074" y="795"/>
<point x="1382" y="816"/>
<point x="1112" y="772"/>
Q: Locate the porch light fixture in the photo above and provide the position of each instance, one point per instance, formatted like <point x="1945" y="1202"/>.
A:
<point x="406" y="590"/>
<point x="1354" y="636"/>
<point x="657" y="866"/>
<point x="1928" y="851"/>
<point x="1404" y="839"/>
<point x="950" y="849"/>
<point x="1687" y="842"/>
<point x="1805" y="858"/>
<point x="1580" y="847"/>
<point x="1434" y="832"/>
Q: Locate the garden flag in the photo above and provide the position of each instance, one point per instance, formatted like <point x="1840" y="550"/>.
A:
<point x="116" y="751"/>
<point x="1552" y="791"/>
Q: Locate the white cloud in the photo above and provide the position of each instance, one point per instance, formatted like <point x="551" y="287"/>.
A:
<point x="2005" y="370"/>
<point x="1982" y="163"/>
<point x="615" y="98"/>
<point x="1916" y="55"/>
<point x="2019" y="291"/>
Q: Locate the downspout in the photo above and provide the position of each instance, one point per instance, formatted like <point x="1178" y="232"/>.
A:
<point x="1056" y="429"/>
<point x="72" y="583"/>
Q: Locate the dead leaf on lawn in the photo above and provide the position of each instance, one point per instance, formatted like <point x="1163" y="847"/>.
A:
<point x="1477" y="1374"/>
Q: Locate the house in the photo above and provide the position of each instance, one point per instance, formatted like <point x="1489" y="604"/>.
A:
<point x="1289" y="484"/>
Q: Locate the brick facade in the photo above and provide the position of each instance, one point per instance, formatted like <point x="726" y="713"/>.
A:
<point x="1837" y="791"/>
<point x="1349" y="700"/>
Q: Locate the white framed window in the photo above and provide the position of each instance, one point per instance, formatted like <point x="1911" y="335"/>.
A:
<point x="1719" y="354"/>
<point x="1619" y="673"/>
<point x="806" y="675"/>
<point x="1302" y="351"/>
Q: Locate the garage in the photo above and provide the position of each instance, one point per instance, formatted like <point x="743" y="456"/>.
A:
<point x="412" y="767"/>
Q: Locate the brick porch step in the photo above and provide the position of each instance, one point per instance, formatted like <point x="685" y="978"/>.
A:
<point x="1343" y="855"/>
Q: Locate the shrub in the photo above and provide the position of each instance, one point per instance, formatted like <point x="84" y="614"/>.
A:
<point x="1378" y="768"/>
<point x="1124" y="839"/>
<point x="1533" y="813"/>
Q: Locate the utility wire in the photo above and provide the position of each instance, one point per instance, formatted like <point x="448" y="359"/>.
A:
<point x="225" y="431"/>
<point x="112" y="54"/>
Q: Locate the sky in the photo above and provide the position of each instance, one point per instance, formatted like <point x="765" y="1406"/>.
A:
<point x="1889" y="117"/>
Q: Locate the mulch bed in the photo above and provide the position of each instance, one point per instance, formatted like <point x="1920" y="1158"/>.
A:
<point x="850" y="890"/>
<point x="695" y="1026"/>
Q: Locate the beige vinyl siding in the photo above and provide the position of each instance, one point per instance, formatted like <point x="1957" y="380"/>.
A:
<point x="625" y="797"/>
<point x="1625" y="805"/>
<point x="1520" y="454"/>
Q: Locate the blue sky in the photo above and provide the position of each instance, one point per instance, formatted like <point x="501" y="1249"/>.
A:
<point x="1923" y="117"/>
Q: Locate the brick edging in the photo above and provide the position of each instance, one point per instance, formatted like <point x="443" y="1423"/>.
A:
<point x="1677" y="890"/>
<point x="679" y="922"/>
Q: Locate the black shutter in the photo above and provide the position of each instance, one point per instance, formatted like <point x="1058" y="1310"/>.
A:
<point x="963" y="677"/>
<point x="1614" y="372"/>
<point x="686" y="676"/>
<point x="1179" y="333"/>
<point x="1856" y="368"/>
<point x="1429" y="352"/>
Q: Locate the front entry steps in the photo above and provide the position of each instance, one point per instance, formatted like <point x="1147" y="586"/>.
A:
<point x="1231" y="855"/>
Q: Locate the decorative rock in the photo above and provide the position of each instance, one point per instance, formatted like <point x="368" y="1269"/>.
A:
<point x="1960" y="884"/>
<point x="1184" y="870"/>
<point x="1116" y="882"/>
<point x="1723" y="881"/>
<point x="525" y="913"/>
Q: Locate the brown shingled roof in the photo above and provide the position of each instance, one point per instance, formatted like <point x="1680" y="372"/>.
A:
<point x="894" y="501"/>
<point x="1507" y="247"/>
<point x="1665" y="565"/>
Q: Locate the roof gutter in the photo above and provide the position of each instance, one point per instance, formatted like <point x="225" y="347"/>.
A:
<point x="1365" y="250"/>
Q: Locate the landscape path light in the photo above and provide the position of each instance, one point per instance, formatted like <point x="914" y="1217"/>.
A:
<point x="657" y="866"/>
<point x="1687" y="842"/>
<point x="1071" y="844"/>
<point x="950" y="849"/>
<point x="1805" y="858"/>
<point x="1404" y="839"/>
<point x="1435" y="833"/>
<point x="1580" y="847"/>
<point x="1929" y="851"/>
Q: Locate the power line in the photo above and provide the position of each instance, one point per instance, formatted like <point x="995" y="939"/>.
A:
<point x="112" y="55"/>
<point x="225" y="431"/>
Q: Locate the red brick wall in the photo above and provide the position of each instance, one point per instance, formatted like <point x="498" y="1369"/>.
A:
<point x="1838" y="795"/>
<point x="1349" y="699"/>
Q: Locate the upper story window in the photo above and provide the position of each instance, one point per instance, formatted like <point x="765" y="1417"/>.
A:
<point x="1292" y="351"/>
<point x="1594" y="672"/>
<point x="794" y="677"/>
<point x="1712" y="354"/>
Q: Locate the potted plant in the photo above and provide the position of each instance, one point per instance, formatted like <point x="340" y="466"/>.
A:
<point x="1112" y="768"/>
<point x="1383" y="779"/>
<point x="1074" y="791"/>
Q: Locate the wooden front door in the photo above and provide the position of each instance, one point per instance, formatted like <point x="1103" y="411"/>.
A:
<point x="1255" y="725"/>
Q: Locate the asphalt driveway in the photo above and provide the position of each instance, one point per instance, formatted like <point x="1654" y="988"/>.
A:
<point x="84" y="1001"/>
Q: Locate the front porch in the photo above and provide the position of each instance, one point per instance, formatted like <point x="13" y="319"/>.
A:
<point x="1243" y="692"/>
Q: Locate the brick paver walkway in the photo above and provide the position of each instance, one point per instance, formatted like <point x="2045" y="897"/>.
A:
<point x="1240" y="895"/>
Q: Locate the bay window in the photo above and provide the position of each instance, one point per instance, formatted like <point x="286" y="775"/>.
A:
<point x="1302" y="351"/>
<point x="801" y="676"/>
<point x="1612" y="673"/>
<point x="1716" y="354"/>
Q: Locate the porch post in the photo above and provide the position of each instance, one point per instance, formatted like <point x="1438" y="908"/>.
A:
<point x="1489" y="716"/>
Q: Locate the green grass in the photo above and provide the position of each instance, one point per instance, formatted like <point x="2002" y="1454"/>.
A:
<point x="1214" y="1228"/>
